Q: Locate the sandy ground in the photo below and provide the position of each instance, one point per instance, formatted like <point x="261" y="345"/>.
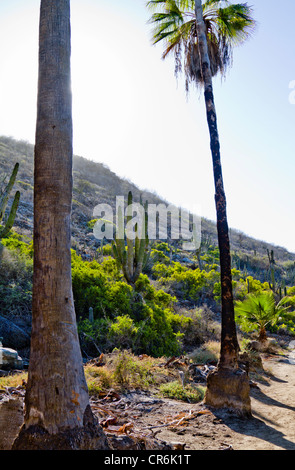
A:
<point x="271" y="427"/>
<point x="194" y="427"/>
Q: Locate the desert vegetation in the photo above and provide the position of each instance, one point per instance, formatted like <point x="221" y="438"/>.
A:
<point x="97" y="317"/>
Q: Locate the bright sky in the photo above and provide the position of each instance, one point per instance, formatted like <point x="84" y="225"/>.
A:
<point x="130" y="113"/>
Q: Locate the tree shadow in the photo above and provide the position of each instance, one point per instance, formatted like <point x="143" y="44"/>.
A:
<point x="261" y="396"/>
<point x="258" y="425"/>
<point x="255" y="427"/>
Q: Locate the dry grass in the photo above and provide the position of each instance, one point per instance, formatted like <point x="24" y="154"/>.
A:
<point x="123" y="370"/>
<point x="13" y="380"/>
<point x="119" y="371"/>
<point x="208" y="352"/>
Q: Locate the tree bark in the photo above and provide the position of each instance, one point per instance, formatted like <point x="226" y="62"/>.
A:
<point x="229" y="343"/>
<point x="56" y="398"/>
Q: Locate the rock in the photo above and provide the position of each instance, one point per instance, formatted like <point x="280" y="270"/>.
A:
<point x="4" y="373"/>
<point x="255" y="345"/>
<point x="263" y="346"/>
<point x="11" y="420"/>
<point x="197" y="374"/>
<point x="12" y="335"/>
<point x="137" y="443"/>
<point x="9" y="359"/>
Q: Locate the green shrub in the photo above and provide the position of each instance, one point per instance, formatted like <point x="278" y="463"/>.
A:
<point x="190" y="284"/>
<point x="142" y="319"/>
<point x="123" y="332"/>
<point x="16" y="276"/>
<point x="129" y="371"/>
<point x="15" y="244"/>
<point x="91" y="223"/>
<point x="107" y="250"/>
<point x="190" y="393"/>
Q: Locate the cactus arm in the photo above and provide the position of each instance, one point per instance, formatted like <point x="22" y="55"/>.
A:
<point x="146" y="256"/>
<point x="136" y="244"/>
<point x="7" y="191"/>
<point x="143" y="248"/>
<point x="6" y="229"/>
<point x="130" y="247"/>
<point x="116" y="254"/>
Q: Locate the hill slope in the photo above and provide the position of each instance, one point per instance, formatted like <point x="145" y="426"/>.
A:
<point x="94" y="183"/>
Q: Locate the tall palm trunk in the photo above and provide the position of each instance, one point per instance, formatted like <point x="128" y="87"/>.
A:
<point x="56" y="402"/>
<point x="229" y="344"/>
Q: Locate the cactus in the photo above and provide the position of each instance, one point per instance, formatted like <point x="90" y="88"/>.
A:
<point x="4" y="197"/>
<point x="132" y="256"/>
<point x="90" y="316"/>
<point x="272" y="269"/>
<point x="204" y="247"/>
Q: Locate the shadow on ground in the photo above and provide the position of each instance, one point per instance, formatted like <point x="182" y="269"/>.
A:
<point x="259" y="426"/>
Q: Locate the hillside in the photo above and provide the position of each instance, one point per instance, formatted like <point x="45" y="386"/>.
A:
<point x="94" y="183"/>
<point x="149" y="350"/>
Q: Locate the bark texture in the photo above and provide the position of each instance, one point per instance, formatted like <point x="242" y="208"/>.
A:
<point x="56" y="402"/>
<point x="228" y="386"/>
<point x="229" y="342"/>
<point x="230" y="389"/>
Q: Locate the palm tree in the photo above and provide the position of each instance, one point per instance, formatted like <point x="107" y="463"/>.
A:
<point x="202" y="38"/>
<point x="257" y="311"/>
<point x="57" y="410"/>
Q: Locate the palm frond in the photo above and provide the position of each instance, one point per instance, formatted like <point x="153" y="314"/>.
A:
<point x="235" y="23"/>
<point x="260" y="309"/>
<point x="174" y="24"/>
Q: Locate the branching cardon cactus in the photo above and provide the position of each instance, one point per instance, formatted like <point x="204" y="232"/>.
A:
<point x="131" y="253"/>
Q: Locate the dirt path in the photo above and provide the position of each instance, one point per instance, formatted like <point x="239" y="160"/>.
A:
<point x="273" y="407"/>
<point x="272" y="426"/>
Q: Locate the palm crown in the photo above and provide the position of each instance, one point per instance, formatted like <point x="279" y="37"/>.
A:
<point x="260" y="310"/>
<point x="227" y="25"/>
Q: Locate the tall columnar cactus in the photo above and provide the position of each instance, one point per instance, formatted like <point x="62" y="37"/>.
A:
<point x="4" y="197"/>
<point x="272" y="269"/>
<point x="131" y="254"/>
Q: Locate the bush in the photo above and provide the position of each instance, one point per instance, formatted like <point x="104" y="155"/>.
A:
<point x="129" y="371"/>
<point x="16" y="275"/>
<point x="142" y="319"/>
<point x="199" y="328"/>
<point x="123" y="332"/>
<point x="99" y="286"/>
<point x="18" y="246"/>
<point x="190" y="284"/>
<point x="208" y="352"/>
<point x="190" y="393"/>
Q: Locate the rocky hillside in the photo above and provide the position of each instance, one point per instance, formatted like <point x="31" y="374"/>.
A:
<point x="94" y="183"/>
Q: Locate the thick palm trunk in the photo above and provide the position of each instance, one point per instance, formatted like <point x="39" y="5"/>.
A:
<point x="56" y="404"/>
<point x="229" y="344"/>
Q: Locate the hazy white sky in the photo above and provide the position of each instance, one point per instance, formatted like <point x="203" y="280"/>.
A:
<point x="131" y="114"/>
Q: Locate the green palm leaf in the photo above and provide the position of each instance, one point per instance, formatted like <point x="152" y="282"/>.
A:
<point x="260" y="310"/>
<point x="174" y="24"/>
